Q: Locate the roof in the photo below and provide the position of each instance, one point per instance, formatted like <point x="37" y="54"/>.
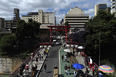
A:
<point x="32" y="13"/>
<point x="26" y="15"/>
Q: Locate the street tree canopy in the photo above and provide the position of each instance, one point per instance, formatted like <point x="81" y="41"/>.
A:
<point x="7" y="44"/>
<point x="101" y="33"/>
<point x="27" y="30"/>
<point x="66" y="23"/>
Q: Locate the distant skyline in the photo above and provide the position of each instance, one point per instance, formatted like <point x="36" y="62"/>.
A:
<point x="59" y="7"/>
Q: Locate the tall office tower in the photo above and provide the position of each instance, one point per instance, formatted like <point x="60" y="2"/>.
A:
<point x="15" y="20"/>
<point x="113" y="7"/>
<point x="16" y="13"/>
<point x="100" y="7"/>
<point x="1" y="24"/>
<point x="76" y="18"/>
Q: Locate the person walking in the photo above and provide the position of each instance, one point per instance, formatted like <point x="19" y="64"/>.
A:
<point x="37" y="59"/>
<point x="42" y="56"/>
<point x="45" y="68"/>
<point x="65" y="58"/>
<point x="68" y="70"/>
<point x="27" y="67"/>
<point x="39" y="56"/>
<point x="65" y="69"/>
<point x="75" y="73"/>
<point x="62" y="58"/>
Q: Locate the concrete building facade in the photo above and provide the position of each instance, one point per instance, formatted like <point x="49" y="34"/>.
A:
<point x="100" y="7"/>
<point x="76" y="18"/>
<point x="8" y="25"/>
<point x="113" y="7"/>
<point x="40" y="16"/>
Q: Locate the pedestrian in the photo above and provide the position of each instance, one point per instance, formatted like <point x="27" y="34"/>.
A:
<point x="65" y="58"/>
<point x="39" y="56"/>
<point x="45" y="68"/>
<point x="21" y="72"/>
<point x="55" y="67"/>
<point x="93" y="70"/>
<point x="27" y="67"/>
<point x="65" y="69"/>
<point x="75" y="73"/>
<point x="44" y="52"/>
<point x="36" y="59"/>
<point x="47" y="54"/>
<point x="42" y="56"/>
<point x="68" y="70"/>
<point x="62" y="58"/>
<point x="25" y="73"/>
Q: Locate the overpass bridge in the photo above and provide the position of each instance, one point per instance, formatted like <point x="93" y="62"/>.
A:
<point x="52" y="60"/>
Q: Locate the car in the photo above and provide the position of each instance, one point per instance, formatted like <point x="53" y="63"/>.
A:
<point x="58" y="43"/>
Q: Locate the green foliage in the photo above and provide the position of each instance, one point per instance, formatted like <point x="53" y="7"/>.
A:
<point x="66" y="23"/>
<point x="27" y="30"/>
<point x="7" y="44"/>
<point x="102" y="29"/>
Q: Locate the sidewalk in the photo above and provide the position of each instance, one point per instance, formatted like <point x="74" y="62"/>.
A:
<point x="80" y="60"/>
<point x="62" y="64"/>
<point x="39" y="63"/>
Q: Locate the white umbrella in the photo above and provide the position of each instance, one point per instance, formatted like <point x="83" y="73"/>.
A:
<point x="67" y="50"/>
<point x="76" y="46"/>
<point x="72" y="45"/>
<point x="54" y="40"/>
<point x="45" y="46"/>
<point x="41" y="46"/>
<point x="67" y="45"/>
<point x="80" y="47"/>
<point x="49" y="46"/>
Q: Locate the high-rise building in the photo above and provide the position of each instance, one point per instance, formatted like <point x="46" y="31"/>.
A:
<point x="100" y="7"/>
<point x="76" y="18"/>
<point x="113" y="6"/>
<point x="1" y="24"/>
<point x="40" y="16"/>
<point x="10" y="25"/>
<point x="15" y="20"/>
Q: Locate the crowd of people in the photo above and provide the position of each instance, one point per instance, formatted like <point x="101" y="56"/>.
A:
<point x="24" y="69"/>
<point x="87" y="60"/>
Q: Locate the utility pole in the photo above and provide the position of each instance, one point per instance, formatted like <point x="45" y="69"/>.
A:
<point x="99" y="47"/>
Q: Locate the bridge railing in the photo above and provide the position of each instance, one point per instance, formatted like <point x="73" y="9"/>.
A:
<point x="15" y="73"/>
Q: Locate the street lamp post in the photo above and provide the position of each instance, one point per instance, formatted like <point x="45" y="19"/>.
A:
<point x="99" y="47"/>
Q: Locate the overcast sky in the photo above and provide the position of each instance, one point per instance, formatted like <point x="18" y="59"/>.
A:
<point x="59" y="7"/>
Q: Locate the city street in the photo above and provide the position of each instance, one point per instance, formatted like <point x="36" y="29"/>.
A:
<point x="51" y="61"/>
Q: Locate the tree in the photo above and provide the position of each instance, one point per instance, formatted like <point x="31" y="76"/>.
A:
<point x="66" y="23"/>
<point x="101" y="34"/>
<point x="78" y="37"/>
<point x="7" y="44"/>
<point x="26" y="31"/>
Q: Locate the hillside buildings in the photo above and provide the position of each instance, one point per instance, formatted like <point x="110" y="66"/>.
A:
<point x="6" y="26"/>
<point x="76" y="18"/>
<point x="41" y="17"/>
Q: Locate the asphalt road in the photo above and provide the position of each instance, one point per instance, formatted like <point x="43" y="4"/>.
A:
<point x="51" y="61"/>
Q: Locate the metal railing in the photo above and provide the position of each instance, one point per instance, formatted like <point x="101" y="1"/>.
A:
<point x="15" y="73"/>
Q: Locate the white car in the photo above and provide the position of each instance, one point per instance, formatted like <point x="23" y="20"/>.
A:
<point x="58" y="43"/>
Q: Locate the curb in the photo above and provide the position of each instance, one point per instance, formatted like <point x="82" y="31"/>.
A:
<point x="41" y="66"/>
<point x="59" y="61"/>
